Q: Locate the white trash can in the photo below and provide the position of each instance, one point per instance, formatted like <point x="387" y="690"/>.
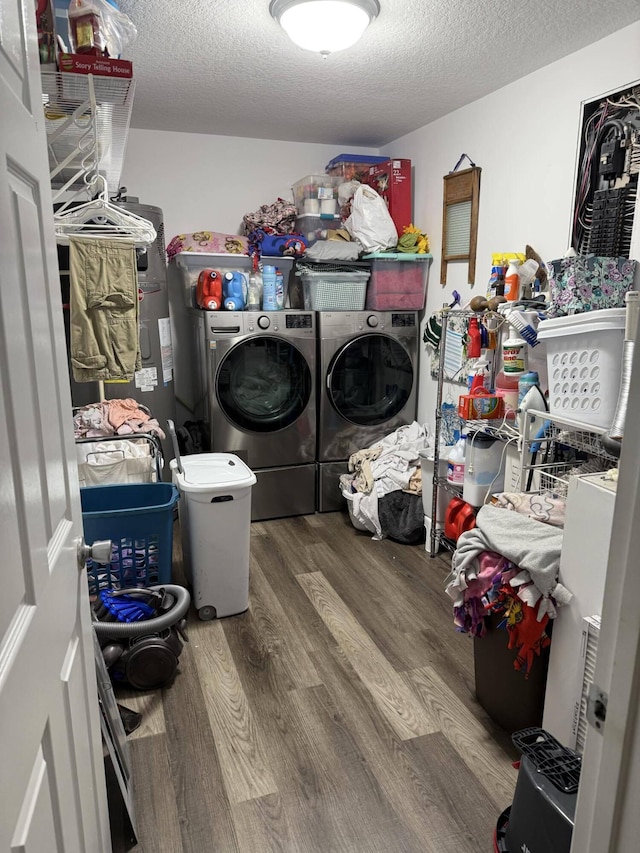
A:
<point x="215" y="522"/>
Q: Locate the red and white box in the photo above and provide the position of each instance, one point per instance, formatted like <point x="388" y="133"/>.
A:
<point x="392" y="180"/>
<point x="84" y="63"/>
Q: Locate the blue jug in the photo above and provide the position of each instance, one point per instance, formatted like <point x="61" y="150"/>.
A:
<point x="235" y="288"/>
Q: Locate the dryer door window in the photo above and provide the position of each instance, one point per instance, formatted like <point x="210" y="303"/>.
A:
<point x="263" y="384"/>
<point x="370" y="380"/>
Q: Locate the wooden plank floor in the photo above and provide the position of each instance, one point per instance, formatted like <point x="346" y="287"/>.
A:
<point x="337" y="714"/>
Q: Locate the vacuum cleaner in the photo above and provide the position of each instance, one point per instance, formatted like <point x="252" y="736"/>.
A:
<point x="141" y="633"/>
<point x="542" y="814"/>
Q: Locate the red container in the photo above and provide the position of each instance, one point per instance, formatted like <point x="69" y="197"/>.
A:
<point x="392" y="180"/>
<point x="459" y="517"/>
<point x="209" y="290"/>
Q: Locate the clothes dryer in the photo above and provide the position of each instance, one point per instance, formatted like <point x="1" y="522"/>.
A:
<point x="258" y="391"/>
<point x="368" y="368"/>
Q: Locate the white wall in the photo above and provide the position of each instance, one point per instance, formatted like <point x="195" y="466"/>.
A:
<point x="525" y="138"/>
<point x="206" y="182"/>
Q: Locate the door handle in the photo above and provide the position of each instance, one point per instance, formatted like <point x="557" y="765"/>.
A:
<point x="99" y="552"/>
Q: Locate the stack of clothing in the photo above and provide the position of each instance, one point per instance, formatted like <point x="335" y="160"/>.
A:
<point x="114" y="417"/>
<point x="384" y="486"/>
<point x="509" y="564"/>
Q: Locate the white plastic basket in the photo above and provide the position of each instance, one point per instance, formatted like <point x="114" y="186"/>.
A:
<point x="329" y="290"/>
<point x="584" y="359"/>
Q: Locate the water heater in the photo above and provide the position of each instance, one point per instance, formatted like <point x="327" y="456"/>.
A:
<point x="153" y="384"/>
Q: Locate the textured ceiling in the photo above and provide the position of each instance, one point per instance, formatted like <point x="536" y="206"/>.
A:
<point x="225" y="66"/>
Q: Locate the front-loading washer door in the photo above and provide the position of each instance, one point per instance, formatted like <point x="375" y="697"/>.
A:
<point x="370" y="380"/>
<point x="263" y="384"/>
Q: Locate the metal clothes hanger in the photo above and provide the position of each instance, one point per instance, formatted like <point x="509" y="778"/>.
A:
<point x="101" y="218"/>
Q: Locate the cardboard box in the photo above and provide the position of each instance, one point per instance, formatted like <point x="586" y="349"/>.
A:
<point x="480" y="406"/>
<point x="392" y="180"/>
<point x="83" y="63"/>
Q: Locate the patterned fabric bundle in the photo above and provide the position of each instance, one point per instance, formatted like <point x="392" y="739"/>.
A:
<point x="588" y="283"/>
<point x="208" y="241"/>
<point x="276" y="218"/>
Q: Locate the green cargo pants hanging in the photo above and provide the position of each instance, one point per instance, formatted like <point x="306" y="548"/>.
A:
<point x="104" y="338"/>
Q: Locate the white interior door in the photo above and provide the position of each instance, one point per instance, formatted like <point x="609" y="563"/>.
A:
<point x="607" y="813"/>
<point x="51" y="767"/>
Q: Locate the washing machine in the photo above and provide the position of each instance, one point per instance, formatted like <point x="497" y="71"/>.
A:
<point x="257" y="378"/>
<point x="368" y="369"/>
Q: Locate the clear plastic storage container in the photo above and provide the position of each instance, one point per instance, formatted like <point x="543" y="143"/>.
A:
<point x="398" y="281"/>
<point x="191" y="263"/>
<point x="316" y="195"/>
<point x="314" y="228"/>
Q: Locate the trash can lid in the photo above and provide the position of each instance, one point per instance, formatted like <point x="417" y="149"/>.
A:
<point x="211" y="472"/>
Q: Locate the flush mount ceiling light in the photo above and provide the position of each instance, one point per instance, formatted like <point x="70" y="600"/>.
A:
<point x="324" y="26"/>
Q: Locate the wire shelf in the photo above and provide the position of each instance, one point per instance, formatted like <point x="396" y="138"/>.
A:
<point x="86" y="131"/>
<point x="588" y="442"/>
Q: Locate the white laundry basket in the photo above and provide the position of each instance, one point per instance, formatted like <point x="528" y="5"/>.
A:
<point x="215" y="521"/>
<point x="584" y="361"/>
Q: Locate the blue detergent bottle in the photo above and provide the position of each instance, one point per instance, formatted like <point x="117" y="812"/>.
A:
<point x="235" y="291"/>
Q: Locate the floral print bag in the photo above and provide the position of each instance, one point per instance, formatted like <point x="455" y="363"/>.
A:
<point x="588" y="283"/>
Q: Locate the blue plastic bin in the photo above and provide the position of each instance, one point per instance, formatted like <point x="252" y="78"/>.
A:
<point x="138" y="518"/>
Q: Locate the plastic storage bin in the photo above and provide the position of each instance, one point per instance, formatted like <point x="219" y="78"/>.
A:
<point x="353" y="167"/>
<point x="316" y="194"/>
<point x="215" y="520"/>
<point x="139" y="521"/>
<point x="311" y="227"/>
<point x="398" y="281"/>
<point x="584" y="359"/>
<point x="191" y="263"/>
<point x="333" y="289"/>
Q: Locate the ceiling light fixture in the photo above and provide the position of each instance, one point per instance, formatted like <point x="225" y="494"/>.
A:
<point x="324" y="26"/>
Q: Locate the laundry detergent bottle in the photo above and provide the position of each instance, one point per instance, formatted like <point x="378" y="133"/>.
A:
<point x="209" y="290"/>
<point x="269" y="302"/>
<point x="512" y="281"/>
<point x="235" y="291"/>
<point x="455" y="462"/>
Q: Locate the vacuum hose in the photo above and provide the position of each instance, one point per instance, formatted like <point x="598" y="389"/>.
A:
<point x="149" y="626"/>
<point x="612" y="439"/>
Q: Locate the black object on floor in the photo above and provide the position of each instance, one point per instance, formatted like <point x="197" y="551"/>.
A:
<point x="500" y="835"/>
<point x="513" y="701"/>
<point x="130" y="719"/>
<point x="542" y="814"/>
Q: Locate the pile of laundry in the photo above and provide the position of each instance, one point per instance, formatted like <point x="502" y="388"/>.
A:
<point x="383" y="488"/>
<point x="509" y="565"/>
<point x="114" y="417"/>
